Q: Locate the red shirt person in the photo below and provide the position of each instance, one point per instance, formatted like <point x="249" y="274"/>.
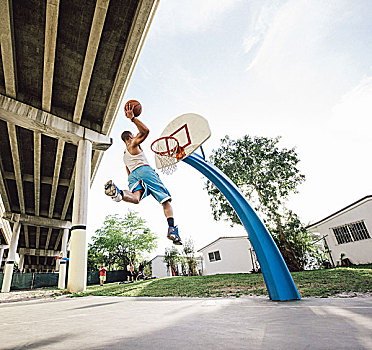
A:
<point x="102" y="275"/>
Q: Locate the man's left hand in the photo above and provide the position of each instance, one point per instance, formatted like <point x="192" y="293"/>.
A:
<point x="128" y="108"/>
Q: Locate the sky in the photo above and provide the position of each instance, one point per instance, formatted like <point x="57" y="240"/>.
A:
<point x="298" y="69"/>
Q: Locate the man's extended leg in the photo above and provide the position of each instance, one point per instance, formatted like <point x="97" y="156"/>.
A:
<point x="117" y="195"/>
<point x="131" y="197"/>
<point x="168" y="210"/>
<point x="172" y="230"/>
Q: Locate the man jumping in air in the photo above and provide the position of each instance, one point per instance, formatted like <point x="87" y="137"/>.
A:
<point x="142" y="178"/>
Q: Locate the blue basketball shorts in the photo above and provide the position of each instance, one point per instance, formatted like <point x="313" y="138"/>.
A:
<point x="150" y="184"/>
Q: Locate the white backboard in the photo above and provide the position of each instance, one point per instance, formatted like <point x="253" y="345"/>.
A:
<point x="191" y="130"/>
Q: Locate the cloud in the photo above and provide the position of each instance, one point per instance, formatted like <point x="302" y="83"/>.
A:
<point x="289" y="30"/>
<point x="259" y="31"/>
<point x="261" y="18"/>
<point x="352" y="114"/>
<point x="191" y="16"/>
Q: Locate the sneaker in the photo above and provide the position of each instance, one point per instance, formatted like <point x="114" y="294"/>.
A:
<point x="174" y="236"/>
<point x="113" y="191"/>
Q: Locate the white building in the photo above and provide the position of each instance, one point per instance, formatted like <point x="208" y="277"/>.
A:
<point x="348" y="232"/>
<point x="159" y="267"/>
<point x="229" y="255"/>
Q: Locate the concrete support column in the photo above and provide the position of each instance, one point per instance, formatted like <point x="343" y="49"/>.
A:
<point x="62" y="263"/>
<point x="77" y="273"/>
<point x="21" y="262"/>
<point x="8" y="273"/>
<point x="2" y="248"/>
<point x="1" y="256"/>
<point x="58" y="264"/>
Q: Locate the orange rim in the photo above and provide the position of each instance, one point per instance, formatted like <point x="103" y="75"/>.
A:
<point x="170" y="151"/>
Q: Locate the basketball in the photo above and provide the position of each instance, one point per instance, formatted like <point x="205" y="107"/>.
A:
<point x="137" y="108"/>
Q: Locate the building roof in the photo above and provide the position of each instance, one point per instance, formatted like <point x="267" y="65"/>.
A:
<point x="230" y="237"/>
<point x="157" y="256"/>
<point x="366" y="198"/>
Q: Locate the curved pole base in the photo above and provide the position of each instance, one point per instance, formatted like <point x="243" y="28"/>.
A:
<point x="279" y="282"/>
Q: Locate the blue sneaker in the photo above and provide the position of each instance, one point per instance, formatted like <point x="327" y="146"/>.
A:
<point x="113" y="191"/>
<point x="174" y="236"/>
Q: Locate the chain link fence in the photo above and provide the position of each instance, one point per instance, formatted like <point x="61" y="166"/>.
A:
<point x="50" y="279"/>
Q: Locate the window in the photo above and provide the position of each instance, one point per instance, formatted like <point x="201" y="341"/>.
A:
<point x="359" y="231"/>
<point x="214" y="256"/>
<point x="342" y="234"/>
<point x="355" y="231"/>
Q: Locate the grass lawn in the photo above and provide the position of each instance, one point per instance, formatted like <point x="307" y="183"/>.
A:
<point x="320" y="283"/>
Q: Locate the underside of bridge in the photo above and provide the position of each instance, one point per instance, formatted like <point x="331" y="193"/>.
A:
<point x="64" y="67"/>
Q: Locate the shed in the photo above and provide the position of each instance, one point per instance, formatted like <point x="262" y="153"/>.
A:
<point x="159" y="267"/>
<point x="229" y="255"/>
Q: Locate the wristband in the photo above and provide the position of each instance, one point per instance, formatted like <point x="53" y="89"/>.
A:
<point x="133" y="119"/>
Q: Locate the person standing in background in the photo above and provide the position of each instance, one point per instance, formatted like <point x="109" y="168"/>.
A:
<point x="102" y="275"/>
<point x="130" y="269"/>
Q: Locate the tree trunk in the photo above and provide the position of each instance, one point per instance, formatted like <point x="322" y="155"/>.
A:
<point x="286" y="251"/>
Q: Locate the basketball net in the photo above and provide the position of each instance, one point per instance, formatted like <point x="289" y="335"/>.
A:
<point x="167" y="167"/>
<point x="167" y="149"/>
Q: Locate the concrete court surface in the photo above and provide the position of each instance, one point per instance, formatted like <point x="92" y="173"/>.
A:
<point x="186" y="323"/>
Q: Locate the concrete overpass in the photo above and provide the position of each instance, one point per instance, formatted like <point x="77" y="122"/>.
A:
<point x="64" y="67"/>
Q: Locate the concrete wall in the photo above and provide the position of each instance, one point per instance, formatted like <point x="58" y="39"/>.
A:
<point x="234" y="253"/>
<point x="158" y="267"/>
<point x="358" y="252"/>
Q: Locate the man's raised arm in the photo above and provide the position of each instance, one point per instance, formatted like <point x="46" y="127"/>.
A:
<point x="142" y="128"/>
<point x="143" y="132"/>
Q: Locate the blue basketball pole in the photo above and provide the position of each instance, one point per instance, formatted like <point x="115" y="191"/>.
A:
<point x="279" y="282"/>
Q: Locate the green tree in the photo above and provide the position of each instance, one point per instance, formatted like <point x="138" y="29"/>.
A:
<point x="300" y="240"/>
<point x="95" y="259"/>
<point x="171" y="259"/>
<point x="266" y="175"/>
<point x="122" y="240"/>
<point x="189" y="252"/>
<point x="184" y="259"/>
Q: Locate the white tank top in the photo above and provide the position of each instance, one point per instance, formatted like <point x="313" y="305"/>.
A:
<point x="134" y="161"/>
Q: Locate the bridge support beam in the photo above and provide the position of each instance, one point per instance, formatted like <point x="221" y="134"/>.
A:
<point x="77" y="273"/>
<point x="62" y="263"/>
<point x="21" y="262"/>
<point x="2" y="248"/>
<point x="8" y="273"/>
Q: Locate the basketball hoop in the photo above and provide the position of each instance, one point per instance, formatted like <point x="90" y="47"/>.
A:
<point x="168" y="151"/>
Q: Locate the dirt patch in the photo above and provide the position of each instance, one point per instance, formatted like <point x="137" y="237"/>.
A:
<point x="353" y="295"/>
<point x="30" y="295"/>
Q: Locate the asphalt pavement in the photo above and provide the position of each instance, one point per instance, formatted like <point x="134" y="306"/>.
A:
<point x="186" y="323"/>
